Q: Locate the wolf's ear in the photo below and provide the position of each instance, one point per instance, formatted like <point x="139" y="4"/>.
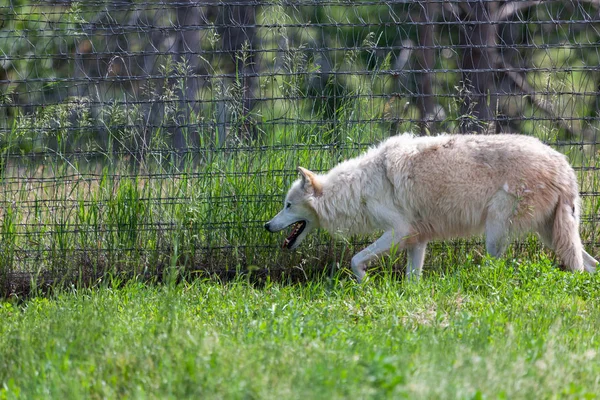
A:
<point x="310" y="183"/>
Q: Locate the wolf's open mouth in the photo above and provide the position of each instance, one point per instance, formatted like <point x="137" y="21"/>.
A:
<point x="297" y="229"/>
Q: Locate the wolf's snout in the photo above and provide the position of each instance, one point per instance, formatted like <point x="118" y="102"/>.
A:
<point x="268" y="227"/>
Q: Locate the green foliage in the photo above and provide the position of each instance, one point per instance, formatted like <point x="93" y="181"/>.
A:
<point x="489" y="330"/>
<point x="7" y="241"/>
<point x="144" y="211"/>
<point x="137" y="175"/>
<point x="90" y="85"/>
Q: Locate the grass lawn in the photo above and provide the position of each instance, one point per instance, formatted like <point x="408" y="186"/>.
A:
<point x="500" y="330"/>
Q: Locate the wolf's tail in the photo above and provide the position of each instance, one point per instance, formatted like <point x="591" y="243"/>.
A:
<point x="565" y="232"/>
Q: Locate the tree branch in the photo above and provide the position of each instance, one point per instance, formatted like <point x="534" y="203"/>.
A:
<point x="511" y="8"/>
<point x="543" y="104"/>
<point x="595" y="3"/>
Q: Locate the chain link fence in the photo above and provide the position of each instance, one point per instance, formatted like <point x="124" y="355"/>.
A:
<point x="137" y="136"/>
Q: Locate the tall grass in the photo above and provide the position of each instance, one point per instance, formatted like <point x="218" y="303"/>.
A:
<point x="76" y="213"/>
<point x="80" y="219"/>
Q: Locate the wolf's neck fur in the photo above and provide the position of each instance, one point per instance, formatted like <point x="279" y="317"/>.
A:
<point x="340" y="207"/>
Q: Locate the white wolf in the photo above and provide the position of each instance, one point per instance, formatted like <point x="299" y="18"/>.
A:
<point x="417" y="189"/>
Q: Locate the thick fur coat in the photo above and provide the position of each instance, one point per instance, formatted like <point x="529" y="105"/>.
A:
<point x="418" y="189"/>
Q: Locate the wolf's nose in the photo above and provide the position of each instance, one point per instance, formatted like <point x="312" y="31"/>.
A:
<point x="267" y="227"/>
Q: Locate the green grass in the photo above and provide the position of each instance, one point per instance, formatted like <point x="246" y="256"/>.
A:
<point x="497" y="330"/>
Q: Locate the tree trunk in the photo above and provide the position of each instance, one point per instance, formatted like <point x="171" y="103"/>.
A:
<point x="479" y="83"/>
<point x="426" y="62"/>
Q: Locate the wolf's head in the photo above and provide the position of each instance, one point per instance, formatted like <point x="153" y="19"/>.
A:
<point x="298" y="210"/>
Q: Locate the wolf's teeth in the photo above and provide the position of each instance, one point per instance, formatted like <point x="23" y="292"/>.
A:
<point x="293" y="233"/>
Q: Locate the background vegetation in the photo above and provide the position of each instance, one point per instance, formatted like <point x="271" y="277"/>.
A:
<point x="138" y="137"/>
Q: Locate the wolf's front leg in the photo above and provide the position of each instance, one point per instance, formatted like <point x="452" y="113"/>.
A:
<point x="415" y="256"/>
<point x="378" y="248"/>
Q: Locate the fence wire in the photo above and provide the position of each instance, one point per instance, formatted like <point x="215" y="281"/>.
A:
<point x="137" y="136"/>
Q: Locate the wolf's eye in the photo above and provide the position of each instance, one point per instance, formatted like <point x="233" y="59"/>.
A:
<point x="288" y="205"/>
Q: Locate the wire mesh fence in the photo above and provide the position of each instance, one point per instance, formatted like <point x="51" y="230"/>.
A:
<point x="141" y="135"/>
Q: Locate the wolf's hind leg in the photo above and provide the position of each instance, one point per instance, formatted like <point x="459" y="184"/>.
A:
<point x="497" y="224"/>
<point x="378" y="248"/>
<point x="496" y="237"/>
<point x="415" y="257"/>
